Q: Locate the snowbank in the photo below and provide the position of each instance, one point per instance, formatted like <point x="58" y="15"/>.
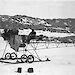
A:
<point x="45" y="33"/>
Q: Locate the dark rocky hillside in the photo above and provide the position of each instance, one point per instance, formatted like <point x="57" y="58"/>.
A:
<point x="52" y="25"/>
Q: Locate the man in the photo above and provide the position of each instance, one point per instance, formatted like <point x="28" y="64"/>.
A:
<point x="31" y="36"/>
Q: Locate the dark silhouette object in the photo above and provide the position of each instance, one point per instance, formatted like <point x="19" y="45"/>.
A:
<point x="19" y="70"/>
<point x="12" y="37"/>
<point x="5" y="35"/>
<point x="24" y="58"/>
<point x="13" y="55"/>
<point x="9" y="33"/>
<point x="30" y="70"/>
<point x="24" y="39"/>
<point x="40" y="38"/>
<point x="31" y="36"/>
<point x="7" y="56"/>
<point x="48" y="59"/>
<point x="30" y="59"/>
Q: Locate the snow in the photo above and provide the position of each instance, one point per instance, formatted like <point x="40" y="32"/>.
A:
<point x="45" y="33"/>
<point x="40" y="69"/>
<point x="59" y="65"/>
<point x="62" y="61"/>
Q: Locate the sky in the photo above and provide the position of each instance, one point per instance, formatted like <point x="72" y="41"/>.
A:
<point x="39" y="8"/>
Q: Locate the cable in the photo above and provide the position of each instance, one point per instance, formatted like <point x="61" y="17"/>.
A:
<point x="5" y="49"/>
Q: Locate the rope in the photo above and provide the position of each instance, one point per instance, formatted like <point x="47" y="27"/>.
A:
<point x="34" y="48"/>
<point x="5" y="49"/>
<point x="33" y="55"/>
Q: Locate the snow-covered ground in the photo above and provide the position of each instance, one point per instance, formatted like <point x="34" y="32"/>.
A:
<point x="45" y="33"/>
<point x="62" y="62"/>
<point x="45" y="68"/>
<point x="62" y="59"/>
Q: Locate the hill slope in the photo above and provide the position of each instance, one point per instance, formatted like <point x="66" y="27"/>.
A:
<point x="52" y="25"/>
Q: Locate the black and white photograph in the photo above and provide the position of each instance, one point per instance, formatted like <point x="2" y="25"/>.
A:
<point x="37" y="37"/>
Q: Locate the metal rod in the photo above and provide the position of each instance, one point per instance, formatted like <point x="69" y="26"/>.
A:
<point x="33" y="55"/>
<point x="5" y="49"/>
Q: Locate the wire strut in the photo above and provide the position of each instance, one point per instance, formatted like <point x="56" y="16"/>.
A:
<point x="5" y="49"/>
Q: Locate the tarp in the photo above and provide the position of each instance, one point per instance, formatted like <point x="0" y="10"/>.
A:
<point x="15" y="42"/>
<point x="13" y="38"/>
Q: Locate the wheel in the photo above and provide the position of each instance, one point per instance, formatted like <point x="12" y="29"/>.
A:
<point x="30" y="59"/>
<point x="7" y="56"/>
<point x="13" y="56"/>
<point x="24" y="58"/>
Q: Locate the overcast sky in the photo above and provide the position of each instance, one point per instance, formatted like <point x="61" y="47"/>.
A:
<point x="39" y="8"/>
